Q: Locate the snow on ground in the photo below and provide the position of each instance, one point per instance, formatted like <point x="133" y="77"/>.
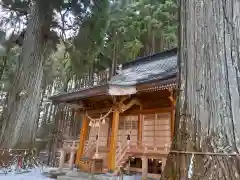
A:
<point x="34" y="175"/>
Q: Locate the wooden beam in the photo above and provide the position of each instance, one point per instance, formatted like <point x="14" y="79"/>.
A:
<point x="113" y="142"/>
<point x="83" y="136"/>
<point x="148" y="111"/>
<point x="125" y="107"/>
<point x="172" y="122"/>
<point x="173" y="101"/>
<point x="124" y="98"/>
<point x="140" y="126"/>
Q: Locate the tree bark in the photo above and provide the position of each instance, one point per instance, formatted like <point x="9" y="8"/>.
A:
<point x="20" y="116"/>
<point x="3" y="65"/>
<point x="209" y="92"/>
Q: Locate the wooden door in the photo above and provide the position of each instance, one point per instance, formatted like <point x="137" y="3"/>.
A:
<point x="128" y="125"/>
<point x="157" y="129"/>
<point x="103" y="135"/>
<point x="93" y="131"/>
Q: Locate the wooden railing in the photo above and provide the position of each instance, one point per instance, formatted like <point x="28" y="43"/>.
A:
<point x="70" y="143"/>
<point x="123" y="149"/>
<point x="89" y="145"/>
<point x="126" y="148"/>
<point x="87" y="81"/>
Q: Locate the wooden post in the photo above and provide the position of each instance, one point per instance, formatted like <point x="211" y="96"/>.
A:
<point x="140" y="126"/>
<point x="172" y="122"/>
<point x="173" y="101"/>
<point x="113" y="142"/>
<point x="72" y="155"/>
<point x="96" y="155"/>
<point x="109" y="132"/>
<point x="62" y="159"/>
<point x="83" y="135"/>
<point x="144" y="167"/>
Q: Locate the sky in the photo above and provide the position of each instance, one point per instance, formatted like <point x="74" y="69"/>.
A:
<point x="9" y="28"/>
<point x="17" y="27"/>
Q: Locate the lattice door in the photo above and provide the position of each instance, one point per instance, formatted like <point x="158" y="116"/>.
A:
<point x="157" y="129"/>
<point x="93" y="131"/>
<point x="128" y="125"/>
<point x="102" y="136"/>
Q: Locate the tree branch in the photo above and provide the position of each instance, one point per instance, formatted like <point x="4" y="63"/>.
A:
<point x="11" y="7"/>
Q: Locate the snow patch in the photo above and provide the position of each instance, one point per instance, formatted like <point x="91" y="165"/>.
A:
<point x="33" y="175"/>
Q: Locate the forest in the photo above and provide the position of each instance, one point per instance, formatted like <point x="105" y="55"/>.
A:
<point x="70" y="45"/>
<point x="55" y="46"/>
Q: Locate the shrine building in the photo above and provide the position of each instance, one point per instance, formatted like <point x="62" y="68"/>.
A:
<point x="127" y="120"/>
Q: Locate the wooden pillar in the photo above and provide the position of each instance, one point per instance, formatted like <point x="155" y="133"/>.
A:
<point x="109" y="131"/>
<point x="173" y="102"/>
<point x="144" y="167"/>
<point x="83" y="136"/>
<point x="62" y="159"/>
<point x="72" y="155"/>
<point x="113" y="142"/>
<point x="71" y="160"/>
<point x="172" y="122"/>
<point x="140" y="127"/>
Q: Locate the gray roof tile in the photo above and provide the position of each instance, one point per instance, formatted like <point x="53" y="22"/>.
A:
<point x="152" y="69"/>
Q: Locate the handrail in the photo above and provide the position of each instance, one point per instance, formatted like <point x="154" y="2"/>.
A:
<point x="85" y="145"/>
<point x="141" y="145"/>
<point x="121" y="152"/>
<point x="70" y="143"/>
<point x="88" y="146"/>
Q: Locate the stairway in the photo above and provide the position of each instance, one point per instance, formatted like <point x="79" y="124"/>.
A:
<point x="124" y="154"/>
<point x="125" y="159"/>
<point x="89" y="149"/>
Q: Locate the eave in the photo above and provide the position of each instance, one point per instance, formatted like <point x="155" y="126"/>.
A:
<point x="81" y="94"/>
<point x="110" y="90"/>
<point x="156" y="85"/>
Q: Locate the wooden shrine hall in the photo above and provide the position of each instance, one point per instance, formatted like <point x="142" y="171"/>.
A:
<point x="128" y="122"/>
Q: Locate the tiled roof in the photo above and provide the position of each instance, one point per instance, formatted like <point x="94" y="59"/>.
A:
<point x="156" y="67"/>
<point x="160" y="66"/>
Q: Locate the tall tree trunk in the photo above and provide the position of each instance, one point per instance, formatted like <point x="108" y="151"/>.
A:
<point x="40" y="106"/>
<point x="209" y="98"/>
<point x="114" y="59"/>
<point x="3" y="65"/>
<point x="20" y="116"/>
